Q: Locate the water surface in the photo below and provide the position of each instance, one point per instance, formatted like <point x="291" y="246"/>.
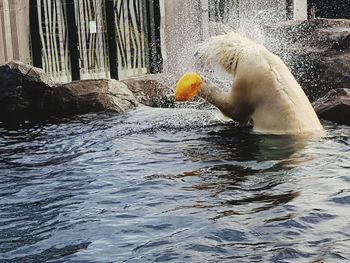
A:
<point x="171" y="185"/>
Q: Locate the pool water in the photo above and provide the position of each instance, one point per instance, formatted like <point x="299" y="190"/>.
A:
<point x="171" y="185"/>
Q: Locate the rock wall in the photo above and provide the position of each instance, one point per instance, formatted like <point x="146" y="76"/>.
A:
<point x="335" y="106"/>
<point x="28" y="93"/>
<point x="317" y="51"/>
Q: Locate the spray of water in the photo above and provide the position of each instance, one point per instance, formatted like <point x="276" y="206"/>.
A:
<point x="185" y="31"/>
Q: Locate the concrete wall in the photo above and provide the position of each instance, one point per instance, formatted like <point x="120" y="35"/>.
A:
<point x="300" y="9"/>
<point x="181" y="31"/>
<point x="14" y="30"/>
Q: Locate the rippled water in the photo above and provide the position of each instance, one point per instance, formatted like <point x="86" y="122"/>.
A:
<point x="171" y="185"/>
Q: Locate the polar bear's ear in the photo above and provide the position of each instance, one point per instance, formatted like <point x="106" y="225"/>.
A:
<point x="188" y="86"/>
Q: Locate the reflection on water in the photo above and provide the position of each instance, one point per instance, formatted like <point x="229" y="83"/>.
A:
<point x="171" y="185"/>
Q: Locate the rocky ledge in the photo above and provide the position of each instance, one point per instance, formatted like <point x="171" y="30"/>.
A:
<point x="335" y="106"/>
<point x="316" y="50"/>
<point x="27" y="92"/>
<point x="152" y="90"/>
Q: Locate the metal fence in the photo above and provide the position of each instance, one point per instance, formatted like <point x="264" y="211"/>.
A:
<point x="85" y="39"/>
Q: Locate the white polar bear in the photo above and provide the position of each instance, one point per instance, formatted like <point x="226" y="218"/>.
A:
<point x="264" y="91"/>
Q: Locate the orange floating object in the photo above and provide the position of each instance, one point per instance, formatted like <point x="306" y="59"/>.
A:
<point x="188" y="86"/>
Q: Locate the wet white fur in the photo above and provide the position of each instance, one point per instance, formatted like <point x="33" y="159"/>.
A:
<point x="263" y="89"/>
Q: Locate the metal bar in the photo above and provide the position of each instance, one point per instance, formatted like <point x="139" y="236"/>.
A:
<point x="7" y="29"/>
<point x="144" y="7"/>
<point x="153" y="19"/>
<point x="82" y="38"/>
<point x="111" y="37"/>
<point x="43" y="33"/>
<point x="289" y="9"/>
<point x="2" y="36"/>
<point x="127" y="34"/>
<point x="157" y="18"/>
<point x="35" y="34"/>
<point x="14" y="29"/>
<point x="73" y="40"/>
<point x="150" y="33"/>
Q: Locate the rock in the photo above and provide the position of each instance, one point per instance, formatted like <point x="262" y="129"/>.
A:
<point x="27" y="92"/>
<point x="335" y="106"/>
<point x="85" y="96"/>
<point x="23" y="90"/>
<point x="151" y="90"/>
<point x="316" y="50"/>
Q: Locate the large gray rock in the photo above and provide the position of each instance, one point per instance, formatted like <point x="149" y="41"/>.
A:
<point x="317" y="51"/>
<point x="27" y="92"/>
<point x="23" y="90"/>
<point x="152" y="90"/>
<point x="93" y="96"/>
<point x="335" y="106"/>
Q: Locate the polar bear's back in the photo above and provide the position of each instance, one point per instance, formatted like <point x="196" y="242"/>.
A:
<point x="281" y="104"/>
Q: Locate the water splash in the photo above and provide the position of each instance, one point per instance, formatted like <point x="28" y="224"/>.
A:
<point x="185" y="30"/>
<point x="247" y="17"/>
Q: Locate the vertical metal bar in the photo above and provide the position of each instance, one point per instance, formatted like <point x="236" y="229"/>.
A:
<point x="311" y="9"/>
<point x="112" y="40"/>
<point x="157" y="19"/>
<point x="150" y="33"/>
<point x="101" y="48"/>
<point x="153" y="19"/>
<point x="73" y="40"/>
<point x="82" y="24"/>
<point x="35" y="34"/>
<point x="7" y="29"/>
<point x="60" y="38"/>
<point x="127" y="30"/>
<point x="2" y="36"/>
<point x="14" y="31"/>
<point x="289" y="9"/>
<point x="144" y="8"/>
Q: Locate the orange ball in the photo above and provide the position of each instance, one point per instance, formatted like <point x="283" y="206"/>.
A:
<point x="188" y="86"/>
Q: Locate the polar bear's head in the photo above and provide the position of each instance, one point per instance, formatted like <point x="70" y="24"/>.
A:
<point x="224" y="50"/>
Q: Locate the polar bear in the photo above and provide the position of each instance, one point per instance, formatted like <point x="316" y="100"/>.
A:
<point x="264" y="91"/>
